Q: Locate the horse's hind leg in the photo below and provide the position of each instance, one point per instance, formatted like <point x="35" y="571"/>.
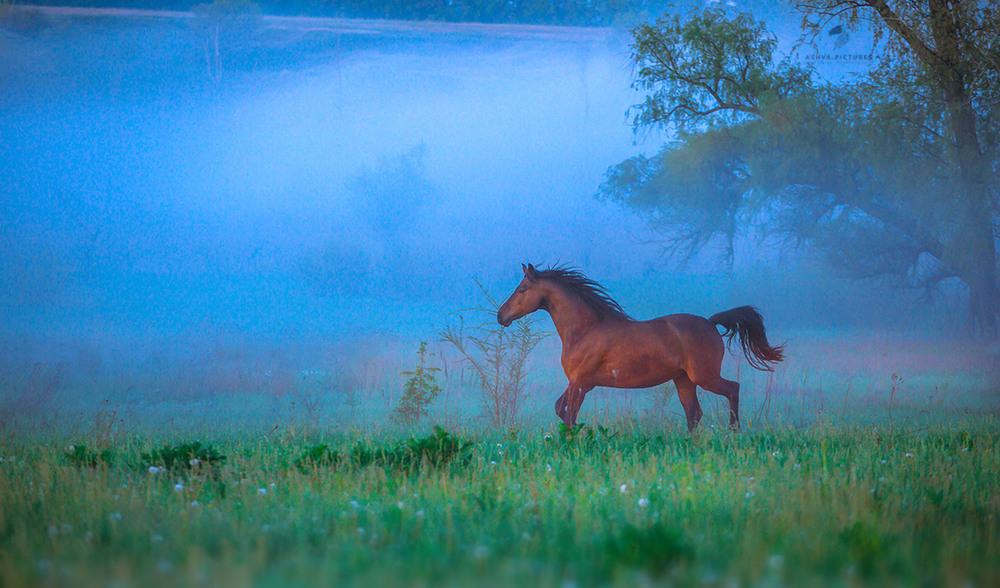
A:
<point x="689" y="400"/>
<point x="731" y="390"/>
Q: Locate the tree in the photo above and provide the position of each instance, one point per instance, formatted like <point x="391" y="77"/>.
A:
<point x="223" y="25"/>
<point x="893" y="174"/>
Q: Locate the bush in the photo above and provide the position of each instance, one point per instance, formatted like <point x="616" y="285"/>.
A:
<point x="435" y="451"/>
<point x="80" y="456"/>
<point x="186" y="456"/>
<point x="418" y="392"/>
<point x="499" y="358"/>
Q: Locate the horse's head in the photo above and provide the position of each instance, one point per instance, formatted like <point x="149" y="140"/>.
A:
<point x="526" y="299"/>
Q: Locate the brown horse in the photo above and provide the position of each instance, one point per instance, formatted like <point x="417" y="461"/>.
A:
<point x="603" y="346"/>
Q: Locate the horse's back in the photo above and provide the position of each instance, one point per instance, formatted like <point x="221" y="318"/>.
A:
<point x="698" y="339"/>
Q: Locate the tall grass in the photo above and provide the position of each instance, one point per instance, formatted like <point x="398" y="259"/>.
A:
<point x="615" y="507"/>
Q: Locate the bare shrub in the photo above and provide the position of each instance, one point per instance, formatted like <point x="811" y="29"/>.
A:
<point x="499" y="358"/>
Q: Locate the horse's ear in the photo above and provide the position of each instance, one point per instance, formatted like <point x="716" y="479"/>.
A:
<point x="529" y="271"/>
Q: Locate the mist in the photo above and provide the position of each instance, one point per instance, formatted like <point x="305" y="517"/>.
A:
<point x="327" y="198"/>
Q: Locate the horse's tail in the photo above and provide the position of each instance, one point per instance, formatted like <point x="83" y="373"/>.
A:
<point x="746" y="322"/>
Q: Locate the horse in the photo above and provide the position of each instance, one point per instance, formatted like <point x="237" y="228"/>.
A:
<point x="603" y="346"/>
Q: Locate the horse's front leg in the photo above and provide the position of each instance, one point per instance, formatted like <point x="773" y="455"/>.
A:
<point x="568" y="405"/>
<point x="561" y="405"/>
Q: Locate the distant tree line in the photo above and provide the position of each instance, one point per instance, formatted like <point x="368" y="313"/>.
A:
<point x="555" y="12"/>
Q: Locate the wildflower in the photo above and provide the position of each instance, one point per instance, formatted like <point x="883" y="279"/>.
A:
<point x="178" y="487"/>
<point x="115" y="516"/>
<point x="194" y="462"/>
<point x="481" y="551"/>
<point x="420" y="513"/>
<point x="643" y="502"/>
<point x="910" y="455"/>
<point x="400" y="505"/>
<point x="194" y="504"/>
<point x="261" y="491"/>
<point x="154" y="470"/>
<point x="623" y="488"/>
<point x="548" y="467"/>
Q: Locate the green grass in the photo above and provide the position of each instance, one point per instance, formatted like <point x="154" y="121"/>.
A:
<point x="783" y="506"/>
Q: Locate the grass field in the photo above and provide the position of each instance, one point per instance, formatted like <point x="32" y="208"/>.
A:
<point x="619" y="506"/>
<point x="862" y="462"/>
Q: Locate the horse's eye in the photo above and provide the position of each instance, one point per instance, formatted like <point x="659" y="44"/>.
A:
<point x="522" y="290"/>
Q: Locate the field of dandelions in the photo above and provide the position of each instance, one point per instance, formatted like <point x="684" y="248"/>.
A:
<point x="880" y="468"/>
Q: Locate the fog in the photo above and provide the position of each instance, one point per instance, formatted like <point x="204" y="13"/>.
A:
<point x="326" y="198"/>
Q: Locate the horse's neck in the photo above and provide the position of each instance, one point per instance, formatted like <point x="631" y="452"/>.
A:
<point x="571" y="317"/>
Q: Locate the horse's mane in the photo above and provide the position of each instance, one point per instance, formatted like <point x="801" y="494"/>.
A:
<point x="590" y="292"/>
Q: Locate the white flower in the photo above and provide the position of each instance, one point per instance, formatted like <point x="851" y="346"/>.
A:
<point x="154" y="470"/>
<point x="643" y="502"/>
<point x="910" y="455"/>
<point x="623" y="488"/>
<point x="548" y="467"/>
<point x="261" y="491"/>
<point x="400" y="505"/>
<point x="193" y="462"/>
<point x="194" y="504"/>
<point x="178" y="487"/>
<point x="420" y="513"/>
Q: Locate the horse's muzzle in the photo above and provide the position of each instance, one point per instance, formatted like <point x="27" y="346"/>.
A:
<point x="504" y="321"/>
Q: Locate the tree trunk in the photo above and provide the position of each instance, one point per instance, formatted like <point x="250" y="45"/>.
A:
<point x="973" y="252"/>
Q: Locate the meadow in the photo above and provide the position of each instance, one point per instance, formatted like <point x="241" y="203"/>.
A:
<point x="882" y="470"/>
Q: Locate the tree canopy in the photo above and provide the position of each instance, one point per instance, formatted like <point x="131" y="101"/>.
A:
<point x="891" y="174"/>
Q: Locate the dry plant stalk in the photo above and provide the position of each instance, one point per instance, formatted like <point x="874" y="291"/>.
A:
<point x="499" y="358"/>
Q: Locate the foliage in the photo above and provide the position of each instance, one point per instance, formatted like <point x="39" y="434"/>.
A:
<point x="186" y="456"/>
<point x="883" y="175"/>
<point x="499" y="358"/>
<point x="419" y="391"/>
<point x="80" y="456"/>
<point x="436" y="450"/>
<point x="317" y="456"/>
